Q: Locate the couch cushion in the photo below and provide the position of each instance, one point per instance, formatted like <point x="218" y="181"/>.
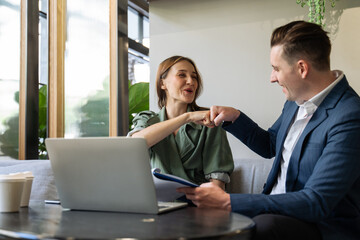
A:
<point x="43" y="186"/>
<point x="249" y="175"/>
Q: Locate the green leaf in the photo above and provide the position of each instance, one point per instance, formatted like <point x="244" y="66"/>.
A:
<point x="138" y="99"/>
<point x="16" y="97"/>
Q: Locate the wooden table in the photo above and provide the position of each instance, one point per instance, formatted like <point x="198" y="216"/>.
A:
<point x="52" y="221"/>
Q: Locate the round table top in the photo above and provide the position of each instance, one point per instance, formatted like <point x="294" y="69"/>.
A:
<point x="52" y="221"/>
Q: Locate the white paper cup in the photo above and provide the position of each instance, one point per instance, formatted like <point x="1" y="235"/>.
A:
<point x="25" y="197"/>
<point x="11" y="189"/>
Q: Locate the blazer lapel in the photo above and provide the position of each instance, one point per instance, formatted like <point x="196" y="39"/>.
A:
<point x="286" y="121"/>
<point x="319" y="116"/>
<point x="293" y="169"/>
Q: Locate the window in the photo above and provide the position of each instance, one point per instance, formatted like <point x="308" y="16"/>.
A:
<point x="83" y="26"/>
<point x="9" y="77"/>
<point x="138" y="33"/>
<point x="43" y="76"/>
<point x="87" y="69"/>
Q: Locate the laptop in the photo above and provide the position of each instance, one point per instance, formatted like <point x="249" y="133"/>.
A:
<point x="105" y="174"/>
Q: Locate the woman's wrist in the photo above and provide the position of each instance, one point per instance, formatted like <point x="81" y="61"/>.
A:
<point x="187" y="117"/>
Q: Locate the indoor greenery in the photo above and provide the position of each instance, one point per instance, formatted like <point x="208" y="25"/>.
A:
<point x="316" y="9"/>
<point x="10" y="138"/>
<point x="138" y="99"/>
<point x="42" y="121"/>
<point x="94" y="117"/>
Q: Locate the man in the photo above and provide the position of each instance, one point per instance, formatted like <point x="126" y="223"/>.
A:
<point x="313" y="188"/>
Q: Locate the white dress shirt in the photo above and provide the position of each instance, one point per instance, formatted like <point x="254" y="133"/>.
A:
<point x="303" y="116"/>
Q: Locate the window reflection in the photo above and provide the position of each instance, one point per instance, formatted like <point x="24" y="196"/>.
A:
<point x="139" y="68"/>
<point x="133" y="24"/>
<point x="43" y="43"/>
<point x="87" y="69"/>
<point x="146" y="34"/>
<point x="138" y="27"/>
<point x="43" y="77"/>
<point x="9" y="76"/>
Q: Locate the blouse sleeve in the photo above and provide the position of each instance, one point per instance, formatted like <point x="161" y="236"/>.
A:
<point x="142" y="120"/>
<point x="218" y="160"/>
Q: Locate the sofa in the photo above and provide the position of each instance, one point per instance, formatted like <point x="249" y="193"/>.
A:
<point x="249" y="176"/>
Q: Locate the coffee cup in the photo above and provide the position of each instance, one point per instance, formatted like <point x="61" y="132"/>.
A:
<point x="25" y="197"/>
<point x="11" y="189"/>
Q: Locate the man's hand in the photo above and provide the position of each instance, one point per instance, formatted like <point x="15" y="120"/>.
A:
<point x="219" y="114"/>
<point x="208" y="195"/>
<point x="201" y="117"/>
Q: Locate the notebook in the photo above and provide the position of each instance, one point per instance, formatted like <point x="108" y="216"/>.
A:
<point x="105" y="174"/>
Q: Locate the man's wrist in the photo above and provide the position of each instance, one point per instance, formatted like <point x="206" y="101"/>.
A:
<point x="237" y="115"/>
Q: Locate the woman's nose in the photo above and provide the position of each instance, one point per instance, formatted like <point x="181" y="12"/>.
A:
<point x="190" y="80"/>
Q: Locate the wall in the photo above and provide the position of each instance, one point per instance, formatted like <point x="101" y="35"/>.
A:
<point x="229" y="41"/>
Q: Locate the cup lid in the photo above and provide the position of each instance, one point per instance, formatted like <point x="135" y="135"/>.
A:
<point x="12" y="178"/>
<point x="26" y="174"/>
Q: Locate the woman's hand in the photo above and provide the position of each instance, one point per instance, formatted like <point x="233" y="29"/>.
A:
<point x="157" y="132"/>
<point x="201" y="117"/>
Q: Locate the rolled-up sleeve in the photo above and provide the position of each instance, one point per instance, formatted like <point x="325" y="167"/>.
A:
<point x="141" y="121"/>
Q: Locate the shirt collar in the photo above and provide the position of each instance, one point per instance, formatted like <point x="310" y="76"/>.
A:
<point x="312" y="104"/>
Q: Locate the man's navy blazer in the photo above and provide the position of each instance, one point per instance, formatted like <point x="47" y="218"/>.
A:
<point x="323" y="177"/>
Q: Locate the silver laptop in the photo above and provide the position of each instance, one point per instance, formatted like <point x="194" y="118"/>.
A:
<point x="105" y="174"/>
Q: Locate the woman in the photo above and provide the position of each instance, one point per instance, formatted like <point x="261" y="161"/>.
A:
<point x="178" y="144"/>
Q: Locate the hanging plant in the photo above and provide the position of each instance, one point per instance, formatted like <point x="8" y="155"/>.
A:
<point x="316" y="9"/>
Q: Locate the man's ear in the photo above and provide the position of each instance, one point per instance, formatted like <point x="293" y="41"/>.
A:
<point x="303" y="68"/>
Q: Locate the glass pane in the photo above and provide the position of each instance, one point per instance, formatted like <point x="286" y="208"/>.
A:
<point x="87" y="69"/>
<point x="43" y="76"/>
<point x="146" y="40"/>
<point x="133" y="24"/>
<point x="43" y="6"/>
<point x="43" y="82"/>
<point x="43" y="51"/>
<point x="9" y="77"/>
<point x="139" y="68"/>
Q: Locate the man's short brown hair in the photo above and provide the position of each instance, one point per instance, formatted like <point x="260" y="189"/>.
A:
<point x="304" y="40"/>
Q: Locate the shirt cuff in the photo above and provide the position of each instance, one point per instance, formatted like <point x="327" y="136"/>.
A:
<point x="134" y="131"/>
<point x="222" y="176"/>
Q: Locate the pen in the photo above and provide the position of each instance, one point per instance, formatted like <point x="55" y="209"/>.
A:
<point x="18" y="235"/>
<point x="52" y="201"/>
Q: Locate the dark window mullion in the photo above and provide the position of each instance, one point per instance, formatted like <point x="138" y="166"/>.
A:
<point x="122" y="91"/>
<point x="138" y="47"/>
<point x="32" y="80"/>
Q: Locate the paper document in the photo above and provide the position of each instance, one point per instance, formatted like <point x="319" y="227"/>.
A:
<point x="166" y="185"/>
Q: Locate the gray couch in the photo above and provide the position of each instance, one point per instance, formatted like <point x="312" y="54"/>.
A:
<point x="249" y="176"/>
<point x="43" y="186"/>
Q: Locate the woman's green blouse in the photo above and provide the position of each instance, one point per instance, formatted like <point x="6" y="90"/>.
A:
<point x="196" y="153"/>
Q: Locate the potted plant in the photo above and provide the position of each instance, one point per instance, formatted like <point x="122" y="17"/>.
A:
<point x="316" y="9"/>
